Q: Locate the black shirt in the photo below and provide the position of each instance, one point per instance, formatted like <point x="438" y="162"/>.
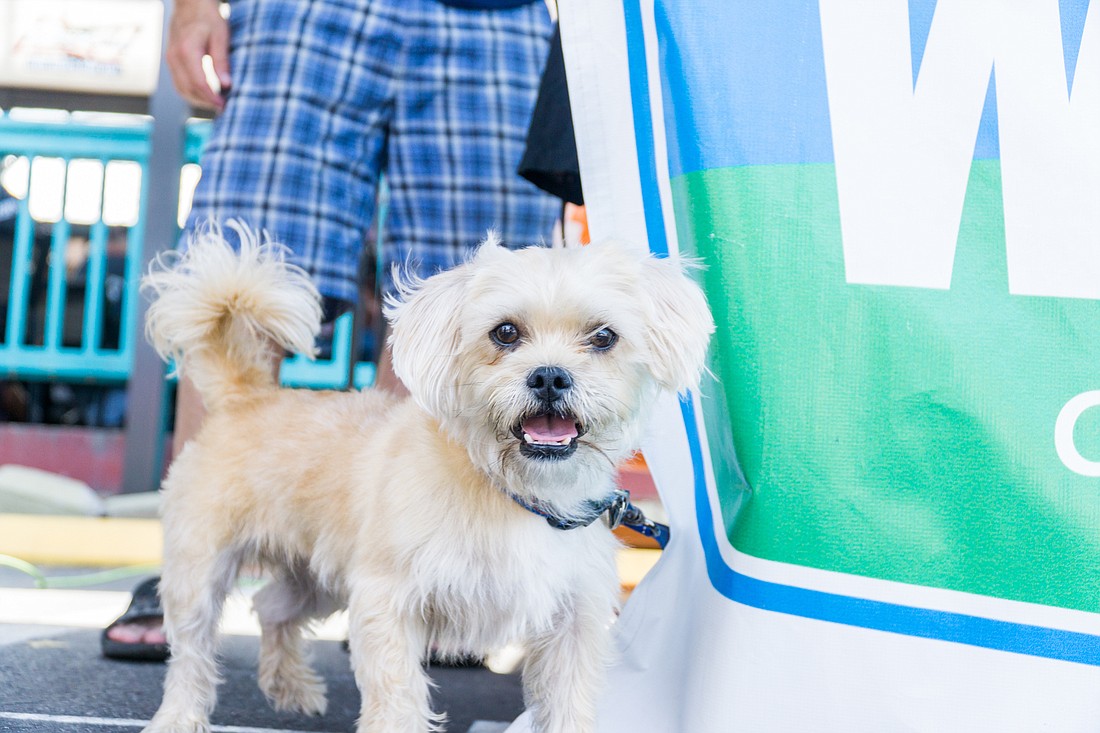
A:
<point x="487" y="4"/>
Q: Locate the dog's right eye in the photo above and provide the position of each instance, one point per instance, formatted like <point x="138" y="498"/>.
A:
<point x="506" y="334"/>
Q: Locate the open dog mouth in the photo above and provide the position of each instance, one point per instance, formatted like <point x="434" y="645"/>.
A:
<point x="548" y="435"/>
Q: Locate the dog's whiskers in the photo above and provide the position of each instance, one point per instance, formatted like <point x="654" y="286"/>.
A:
<point x="599" y="450"/>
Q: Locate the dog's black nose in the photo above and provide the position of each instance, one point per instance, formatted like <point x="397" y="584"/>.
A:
<point x="549" y="383"/>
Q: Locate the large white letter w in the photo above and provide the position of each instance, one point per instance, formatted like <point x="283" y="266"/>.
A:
<point x="903" y="154"/>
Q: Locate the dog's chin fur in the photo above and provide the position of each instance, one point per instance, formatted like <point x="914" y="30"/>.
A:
<point x="400" y="509"/>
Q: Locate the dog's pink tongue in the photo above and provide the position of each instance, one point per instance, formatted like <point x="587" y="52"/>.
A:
<point x="550" y="428"/>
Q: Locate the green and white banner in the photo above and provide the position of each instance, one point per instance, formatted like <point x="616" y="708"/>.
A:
<point x="886" y="505"/>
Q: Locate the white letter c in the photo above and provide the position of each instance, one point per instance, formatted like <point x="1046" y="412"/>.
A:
<point x="1063" y="434"/>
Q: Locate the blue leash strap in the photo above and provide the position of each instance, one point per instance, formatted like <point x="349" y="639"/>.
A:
<point x="620" y="513"/>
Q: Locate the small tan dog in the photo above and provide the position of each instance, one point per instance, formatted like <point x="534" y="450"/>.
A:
<point x="530" y="375"/>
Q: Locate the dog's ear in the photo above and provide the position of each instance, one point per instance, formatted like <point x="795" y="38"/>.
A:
<point x="425" y="319"/>
<point x="679" y="324"/>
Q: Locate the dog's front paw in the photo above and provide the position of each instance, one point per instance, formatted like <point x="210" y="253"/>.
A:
<point x="301" y="694"/>
<point x="185" y="724"/>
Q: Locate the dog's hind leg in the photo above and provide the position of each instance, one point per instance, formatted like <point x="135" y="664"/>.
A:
<point x="388" y="644"/>
<point x="193" y="587"/>
<point x="285" y="606"/>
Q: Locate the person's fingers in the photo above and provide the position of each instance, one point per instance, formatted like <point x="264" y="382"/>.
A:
<point x="219" y="54"/>
<point x="195" y="31"/>
<point x="185" y="64"/>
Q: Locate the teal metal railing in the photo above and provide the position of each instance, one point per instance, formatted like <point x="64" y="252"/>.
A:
<point x="26" y="353"/>
<point x="34" y="345"/>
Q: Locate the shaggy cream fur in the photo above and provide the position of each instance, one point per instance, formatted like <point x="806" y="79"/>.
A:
<point x="530" y="375"/>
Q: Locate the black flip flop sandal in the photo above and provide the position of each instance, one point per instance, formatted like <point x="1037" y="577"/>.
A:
<point x="144" y="605"/>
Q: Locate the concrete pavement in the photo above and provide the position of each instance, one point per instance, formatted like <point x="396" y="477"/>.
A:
<point x="54" y="680"/>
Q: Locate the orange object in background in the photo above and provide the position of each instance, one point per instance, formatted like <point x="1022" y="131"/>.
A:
<point x="576" y="225"/>
<point x="634" y="476"/>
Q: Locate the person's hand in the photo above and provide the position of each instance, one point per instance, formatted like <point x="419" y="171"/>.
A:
<point x="197" y="29"/>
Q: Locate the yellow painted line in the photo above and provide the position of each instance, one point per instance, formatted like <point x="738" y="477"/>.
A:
<point x="115" y="542"/>
<point x="80" y="541"/>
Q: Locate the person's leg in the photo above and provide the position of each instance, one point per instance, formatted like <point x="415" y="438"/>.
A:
<point x="384" y="376"/>
<point x="297" y="149"/>
<point x="189" y="414"/>
<point x="148" y="631"/>
<point x="295" y="154"/>
<point x="454" y="147"/>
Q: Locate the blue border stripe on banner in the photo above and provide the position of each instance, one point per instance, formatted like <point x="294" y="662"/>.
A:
<point x="1037" y="641"/>
<point x="960" y="628"/>
<point x="643" y="128"/>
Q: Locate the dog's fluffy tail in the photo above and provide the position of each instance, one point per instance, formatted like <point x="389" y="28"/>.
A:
<point x="221" y="313"/>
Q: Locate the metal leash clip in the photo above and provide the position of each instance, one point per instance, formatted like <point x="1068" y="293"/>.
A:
<point x="621" y="513"/>
<point x="618" y="509"/>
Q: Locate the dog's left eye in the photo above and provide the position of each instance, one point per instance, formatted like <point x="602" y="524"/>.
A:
<point x="603" y="339"/>
<point x="506" y="334"/>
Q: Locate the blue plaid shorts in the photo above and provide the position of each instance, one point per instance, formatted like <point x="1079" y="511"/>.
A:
<point x="328" y="94"/>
